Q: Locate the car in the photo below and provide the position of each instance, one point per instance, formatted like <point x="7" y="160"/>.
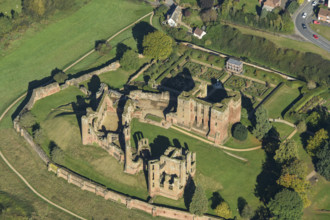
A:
<point x="316" y="22"/>
<point x="304" y="26"/>
<point x="315" y="36"/>
<point x="314" y="3"/>
<point x="304" y="15"/>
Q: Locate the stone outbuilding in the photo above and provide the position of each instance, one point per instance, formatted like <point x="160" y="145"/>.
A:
<point x="324" y="15"/>
<point x="269" y="5"/>
<point x="234" y="66"/>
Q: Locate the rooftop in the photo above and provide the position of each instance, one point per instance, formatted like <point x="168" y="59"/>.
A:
<point x="235" y="62"/>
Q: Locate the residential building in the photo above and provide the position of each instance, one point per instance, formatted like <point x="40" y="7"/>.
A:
<point x="324" y="15"/>
<point x="174" y="18"/>
<point x="199" y="33"/>
<point x="234" y="66"/>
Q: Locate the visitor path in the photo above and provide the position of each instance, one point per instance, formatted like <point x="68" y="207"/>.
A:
<point x="212" y="143"/>
<point x="109" y="39"/>
<point x="23" y="95"/>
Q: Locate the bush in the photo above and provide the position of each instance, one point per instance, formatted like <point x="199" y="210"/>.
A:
<point x="199" y="203"/>
<point x="130" y="60"/>
<point x="223" y="210"/>
<point x="323" y="161"/>
<point x="27" y="119"/>
<point x="239" y="132"/>
<point x="60" y="77"/>
<point x="103" y="47"/>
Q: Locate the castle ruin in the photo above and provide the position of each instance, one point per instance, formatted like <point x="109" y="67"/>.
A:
<point x="110" y="127"/>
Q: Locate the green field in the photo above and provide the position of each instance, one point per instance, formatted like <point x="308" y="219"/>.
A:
<point x="285" y="42"/>
<point x="249" y="6"/>
<point x="323" y="30"/>
<point x="280" y="100"/>
<point x="215" y="170"/>
<point x="7" y="5"/>
<point x="283" y="129"/>
<point x="57" y="45"/>
<point x="250" y="142"/>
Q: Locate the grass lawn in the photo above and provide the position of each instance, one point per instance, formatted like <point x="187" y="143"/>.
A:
<point x="323" y="30"/>
<point x="283" y="129"/>
<point x="285" y="42"/>
<point x="37" y="53"/>
<point x="250" y="141"/>
<point x="7" y="5"/>
<point x="280" y="100"/>
<point x="216" y="171"/>
<point x="249" y="6"/>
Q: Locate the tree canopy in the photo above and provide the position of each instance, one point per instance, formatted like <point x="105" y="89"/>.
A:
<point x="129" y="60"/>
<point x="323" y="161"/>
<point x="262" y="124"/>
<point x="286" y="152"/>
<point x="223" y="210"/>
<point x="157" y="45"/>
<point x="199" y="203"/>
<point x="316" y="141"/>
<point x="239" y="132"/>
<point x="286" y="205"/>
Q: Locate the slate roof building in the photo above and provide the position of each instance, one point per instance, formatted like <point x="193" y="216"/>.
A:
<point x="234" y="66"/>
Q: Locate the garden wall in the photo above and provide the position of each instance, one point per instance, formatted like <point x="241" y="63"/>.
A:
<point x="88" y="185"/>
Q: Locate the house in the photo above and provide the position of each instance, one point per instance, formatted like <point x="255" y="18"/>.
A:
<point x="269" y="5"/>
<point x="174" y="18"/>
<point x="199" y="33"/>
<point x="324" y="15"/>
<point x="234" y="66"/>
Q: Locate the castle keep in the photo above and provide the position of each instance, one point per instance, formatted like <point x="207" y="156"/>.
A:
<point x="110" y="127"/>
<point x="168" y="176"/>
<point x="211" y="120"/>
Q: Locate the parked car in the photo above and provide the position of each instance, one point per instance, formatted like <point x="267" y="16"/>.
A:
<point x="316" y="22"/>
<point x="304" y="15"/>
<point x="304" y="26"/>
<point x="315" y="36"/>
<point x="314" y="3"/>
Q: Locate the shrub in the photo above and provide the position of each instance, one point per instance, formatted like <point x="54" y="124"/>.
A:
<point x="239" y="132"/>
<point x="323" y="161"/>
<point x="103" y="47"/>
<point x="27" y="119"/>
<point x="130" y="60"/>
<point x="223" y="210"/>
<point x="60" y="77"/>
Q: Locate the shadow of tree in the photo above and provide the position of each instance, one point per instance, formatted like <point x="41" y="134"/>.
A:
<point x="216" y="199"/>
<point x="159" y="145"/>
<point x="189" y="191"/>
<point x="241" y="203"/>
<point x="139" y="31"/>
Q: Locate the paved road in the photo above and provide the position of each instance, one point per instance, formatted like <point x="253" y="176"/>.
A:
<point x="308" y="33"/>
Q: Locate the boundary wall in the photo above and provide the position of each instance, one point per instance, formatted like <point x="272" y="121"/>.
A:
<point x="82" y="182"/>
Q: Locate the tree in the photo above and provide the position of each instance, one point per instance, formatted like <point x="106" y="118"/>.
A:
<point x="187" y="12"/>
<point x="313" y="119"/>
<point x="161" y="10"/>
<point x="102" y="47"/>
<point x="316" y="141"/>
<point x="293" y="7"/>
<point x="323" y="161"/>
<point x="56" y="153"/>
<point x="311" y="84"/>
<point x="39" y="136"/>
<point x="129" y="60"/>
<point x="223" y="210"/>
<point x="286" y="204"/>
<point x="205" y="4"/>
<point x="262" y="125"/>
<point x="296" y="167"/>
<point x="35" y="8"/>
<point x="286" y="152"/>
<point x="199" y="203"/>
<point x="301" y="126"/>
<point x="27" y="119"/>
<point x="157" y="45"/>
<point x="239" y="132"/>
<point x="247" y="212"/>
<point x="294" y="182"/>
<point x="60" y="77"/>
<point x="209" y="15"/>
